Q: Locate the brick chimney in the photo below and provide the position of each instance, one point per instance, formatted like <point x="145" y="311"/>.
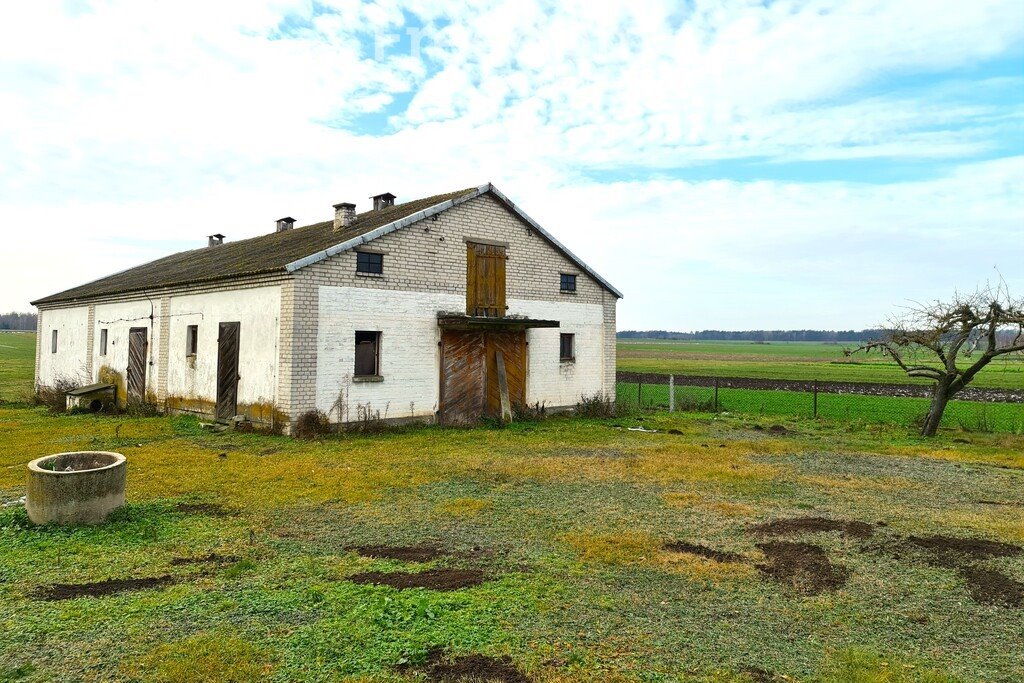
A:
<point x="344" y="215"/>
<point x="286" y="223"/>
<point x="214" y="240"/>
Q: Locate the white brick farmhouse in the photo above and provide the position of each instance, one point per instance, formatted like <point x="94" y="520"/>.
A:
<point x="448" y="308"/>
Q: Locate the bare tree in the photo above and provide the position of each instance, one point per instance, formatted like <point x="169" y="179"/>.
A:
<point x="951" y="341"/>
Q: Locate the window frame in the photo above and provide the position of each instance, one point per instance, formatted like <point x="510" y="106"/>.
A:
<point x="53" y="341"/>
<point x="562" y="337"/>
<point x="191" y="340"/>
<point x="564" y="279"/>
<point x="366" y="261"/>
<point x="377" y="335"/>
<point x="103" y="341"/>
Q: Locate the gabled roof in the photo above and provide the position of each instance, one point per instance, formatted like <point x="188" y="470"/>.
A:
<point x="290" y="250"/>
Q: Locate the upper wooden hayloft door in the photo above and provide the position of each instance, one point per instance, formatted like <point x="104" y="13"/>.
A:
<point x="485" y="280"/>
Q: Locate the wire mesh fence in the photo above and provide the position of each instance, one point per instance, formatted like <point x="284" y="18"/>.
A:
<point x="814" y="400"/>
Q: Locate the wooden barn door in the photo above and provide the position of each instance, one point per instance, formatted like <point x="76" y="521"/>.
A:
<point x="469" y="373"/>
<point x="462" y="376"/>
<point x="512" y="347"/>
<point x="135" y="379"/>
<point x="485" y="280"/>
<point x="227" y="370"/>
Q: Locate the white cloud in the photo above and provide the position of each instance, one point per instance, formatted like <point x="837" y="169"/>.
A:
<point x="127" y="125"/>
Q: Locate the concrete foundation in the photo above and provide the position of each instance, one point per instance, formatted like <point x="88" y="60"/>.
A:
<point x="81" y="487"/>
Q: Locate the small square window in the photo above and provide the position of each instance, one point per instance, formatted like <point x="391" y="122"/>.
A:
<point x="103" y="342"/>
<point x="53" y="341"/>
<point x="367" y="354"/>
<point x="568" y="282"/>
<point x="191" y="340"/>
<point x="567" y="347"/>
<point x="367" y="262"/>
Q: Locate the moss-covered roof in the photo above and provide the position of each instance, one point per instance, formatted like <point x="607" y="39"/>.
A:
<point x="256" y="255"/>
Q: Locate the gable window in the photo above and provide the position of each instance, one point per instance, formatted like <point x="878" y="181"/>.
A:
<point x="368" y="262"/>
<point x="367" y="354"/>
<point x="53" y="341"/>
<point x="567" y="347"/>
<point x="103" y="342"/>
<point x="191" y="340"/>
<point x="568" y="283"/>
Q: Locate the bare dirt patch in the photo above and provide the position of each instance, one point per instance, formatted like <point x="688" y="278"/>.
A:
<point x="440" y="668"/>
<point x="810" y="525"/>
<point x="434" y="579"/>
<point x="803" y="566"/>
<point x="702" y="551"/>
<point x="99" y="589"/>
<point x="992" y="587"/>
<point x="949" y="547"/>
<point x="407" y="553"/>
<point x="209" y="509"/>
<point x="987" y="586"/>
<point x="212" y="558"/>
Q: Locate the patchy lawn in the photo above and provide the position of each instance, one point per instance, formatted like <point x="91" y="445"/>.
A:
<point x="566" y="550"/>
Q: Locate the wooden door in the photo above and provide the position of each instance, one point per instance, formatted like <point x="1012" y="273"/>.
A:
<point x="485" y="280"/>
<point x="135" y="377"/>
<point x="462" y="376"/>
<point x="512" y="346"/>
<point x="227" y="370"/>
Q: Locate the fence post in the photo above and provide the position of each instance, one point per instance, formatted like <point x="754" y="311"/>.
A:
<point x="815" y="399"/>
<point x="716" y="394"/>
<point x="671" y="393"/>
<point x="640" y="393"/>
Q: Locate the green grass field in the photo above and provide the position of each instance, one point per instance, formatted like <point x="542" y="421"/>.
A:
<point x="964" y="415"/>
<point x="569" y="521"/>
<point x="785" y="360"/>
<point x="17" y="365"/>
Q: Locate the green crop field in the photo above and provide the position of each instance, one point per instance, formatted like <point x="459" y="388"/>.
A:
<point x="646" y="547"/>
<point x="785" y="360"/>
<point x="17" y="364"/>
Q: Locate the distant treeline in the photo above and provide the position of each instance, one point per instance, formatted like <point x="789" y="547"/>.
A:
<point x="17" y="321"/>
<point x="764" y="336"/>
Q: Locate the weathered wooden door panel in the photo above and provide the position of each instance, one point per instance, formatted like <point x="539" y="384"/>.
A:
<point x="512" y="346"/>
<point x="135" y="377"/>
<point x="485" y="280"/>
<point x="462" y="376"/>
<point x="227" y="370"/>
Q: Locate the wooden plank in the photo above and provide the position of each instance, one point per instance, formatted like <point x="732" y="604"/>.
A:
<point x="471" y="277"/>
<point x="506" y="408"/>
<point x="499" y="282"/>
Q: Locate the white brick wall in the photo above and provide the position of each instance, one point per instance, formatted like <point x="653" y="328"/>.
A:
<point x="554" y="382"/>
<point x="118" y="318"/>
<point x="409" y="360"/>
<point x="257" y="311"/>
<point x="71" y="360"/>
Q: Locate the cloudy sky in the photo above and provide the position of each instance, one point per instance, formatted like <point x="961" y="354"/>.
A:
<point x="726" y="164"/>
